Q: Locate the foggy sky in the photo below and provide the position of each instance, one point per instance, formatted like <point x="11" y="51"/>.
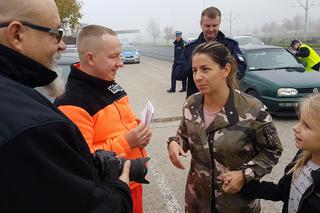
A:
<point x="184" y="15"/>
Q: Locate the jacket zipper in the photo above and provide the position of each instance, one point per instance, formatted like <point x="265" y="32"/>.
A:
<point x="125" y="124"/>
<point x="304" y="197"/>
<point x="212" y="199"/>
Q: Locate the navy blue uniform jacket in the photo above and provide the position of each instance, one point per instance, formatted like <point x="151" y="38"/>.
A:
<point x="183" y="67"/>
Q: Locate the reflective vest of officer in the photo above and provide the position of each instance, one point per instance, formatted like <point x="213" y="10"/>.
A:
<point x="312" y="59"/>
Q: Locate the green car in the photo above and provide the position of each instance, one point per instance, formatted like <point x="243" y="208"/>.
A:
<point x="277" y="78"/>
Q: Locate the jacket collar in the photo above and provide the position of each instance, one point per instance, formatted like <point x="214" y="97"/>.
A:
<point x="228" y="116"/>
<point x="23" y="69"/>
<point x="178" y="42"/>
<point x="220" y="37"/>
<point x="99" y="84"/>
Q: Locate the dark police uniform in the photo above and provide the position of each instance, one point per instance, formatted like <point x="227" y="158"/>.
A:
<point x="183" y="67"/>
<point x="178" y="49"/>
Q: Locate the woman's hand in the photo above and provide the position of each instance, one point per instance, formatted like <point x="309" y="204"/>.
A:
<point x="233" y="181"/>
<point x="175" y="151"/>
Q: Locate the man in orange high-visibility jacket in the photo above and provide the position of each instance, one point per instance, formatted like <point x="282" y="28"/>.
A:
<point x="99" y="106"/>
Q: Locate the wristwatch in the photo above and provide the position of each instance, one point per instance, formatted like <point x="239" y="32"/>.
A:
<point x="247" y="172"/>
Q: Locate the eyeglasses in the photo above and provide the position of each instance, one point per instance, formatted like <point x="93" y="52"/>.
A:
<point x="58" y="33"/>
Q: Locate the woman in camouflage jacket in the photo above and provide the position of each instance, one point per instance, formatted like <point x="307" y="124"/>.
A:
<point x="225" y="130"/>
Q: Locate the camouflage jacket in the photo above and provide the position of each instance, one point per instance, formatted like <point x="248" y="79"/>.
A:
<point x="242" y="133"/>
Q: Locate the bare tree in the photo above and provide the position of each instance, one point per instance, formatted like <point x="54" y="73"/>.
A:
<point x="266" y="28"/>
<point x="297" y="24"/>
<point x="274" y="27"/>
<point x="287" y="25"/>
<point x="255" y="31"/>
<point x="153" y="29"/>
<point x="317" y="26"/>
<point x="168" y="34"/>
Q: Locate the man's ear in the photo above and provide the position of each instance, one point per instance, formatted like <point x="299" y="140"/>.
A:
<point x="89" y="58"/>
<point x="14" y="35"/>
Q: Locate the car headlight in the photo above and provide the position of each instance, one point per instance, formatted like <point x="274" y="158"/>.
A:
<point x="287" y="92"/>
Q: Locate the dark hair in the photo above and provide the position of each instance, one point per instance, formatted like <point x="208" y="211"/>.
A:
<point x="211" y="12"/>
<point x="220" y="54"/>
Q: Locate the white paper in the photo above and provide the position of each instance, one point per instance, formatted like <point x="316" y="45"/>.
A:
<point x="147" y="114"/>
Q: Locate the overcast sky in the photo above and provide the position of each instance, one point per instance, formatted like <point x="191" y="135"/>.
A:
<point x="184" y="15"/>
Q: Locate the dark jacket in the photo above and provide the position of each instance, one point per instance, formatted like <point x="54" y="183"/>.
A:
<point x="303" y="52"/>
<point x="178" y="48"/>
<point x="45" y="163"/>
<point x="310" y="201"/>
<point x="183" y="68"/>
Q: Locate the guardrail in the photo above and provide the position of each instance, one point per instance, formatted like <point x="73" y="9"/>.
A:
<point x="162" y="53"/>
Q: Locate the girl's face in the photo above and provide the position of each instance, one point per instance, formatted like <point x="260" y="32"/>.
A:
<point x="208" y="76"/>
<point x="307" y="136"/>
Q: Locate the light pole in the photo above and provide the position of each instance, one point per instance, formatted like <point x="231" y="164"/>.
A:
<point x="231" y="18"/>
<point x="306" y="8"/>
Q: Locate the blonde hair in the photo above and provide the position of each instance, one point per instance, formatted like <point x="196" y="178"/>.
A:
<point x="309" y="110"/>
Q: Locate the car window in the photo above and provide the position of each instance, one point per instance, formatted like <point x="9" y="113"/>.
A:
<point x="271" y="59"/>
<point x="128" y="49"/>
<point x="248" y="41"/>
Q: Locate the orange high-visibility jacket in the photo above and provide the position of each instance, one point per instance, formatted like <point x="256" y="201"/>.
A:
<point x="102" y="112"/>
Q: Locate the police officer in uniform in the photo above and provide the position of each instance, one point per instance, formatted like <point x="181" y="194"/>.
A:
<point x="306" y="54"/>
<point x="179" y="45"/>
<point x="210" y="24"/>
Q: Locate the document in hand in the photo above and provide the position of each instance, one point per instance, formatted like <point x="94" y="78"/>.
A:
<point x="147" y="114"/>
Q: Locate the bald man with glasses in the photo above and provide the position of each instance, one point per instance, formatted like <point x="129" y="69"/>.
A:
<point x="45" y="163"/>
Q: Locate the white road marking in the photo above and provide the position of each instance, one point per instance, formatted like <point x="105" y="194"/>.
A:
<point x="168" y="195"/>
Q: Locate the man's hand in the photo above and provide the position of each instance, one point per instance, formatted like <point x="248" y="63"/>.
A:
<point x="125" y="172"/>
<point x="175" y="150"/>
<point x="233" y="181"/>
<point x="138" y="137"/>
<point x="293" y="51"/>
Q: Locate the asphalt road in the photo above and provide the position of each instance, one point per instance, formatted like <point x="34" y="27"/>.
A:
<point x="165" y="193"/>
